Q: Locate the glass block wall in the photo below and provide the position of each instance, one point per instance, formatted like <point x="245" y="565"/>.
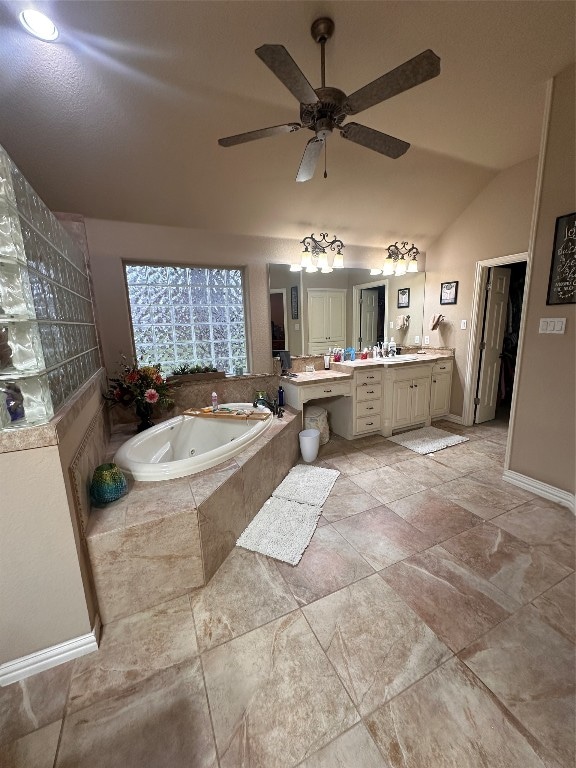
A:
<point x="48" y="342"/>
<point x="187" y="315"/>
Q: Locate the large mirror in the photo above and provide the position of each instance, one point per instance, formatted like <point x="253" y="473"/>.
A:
<point x="311" y="312"/>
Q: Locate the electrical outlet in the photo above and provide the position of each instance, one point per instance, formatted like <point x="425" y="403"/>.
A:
<point x="552" y="325"/>
<point x="416" y="339"/>
<point x="391" y="323"/>
<point x="426" y="339"/>
<point x="463" y="325"/>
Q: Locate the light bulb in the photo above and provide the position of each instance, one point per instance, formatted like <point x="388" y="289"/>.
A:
<point x="39" y="25"/>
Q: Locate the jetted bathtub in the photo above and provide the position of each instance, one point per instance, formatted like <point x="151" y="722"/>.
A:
<point x="185" y="444"/>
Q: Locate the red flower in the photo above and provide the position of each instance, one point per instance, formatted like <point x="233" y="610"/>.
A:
<point x="151" y="396"/>
<point x="158" y="379"/>
<point x="132" y="377"/>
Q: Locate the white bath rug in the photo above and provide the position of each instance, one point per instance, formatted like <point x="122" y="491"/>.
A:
<point x="282" y="529"/>
<point x="308" y="485"/>
<point x="427" y="439"/>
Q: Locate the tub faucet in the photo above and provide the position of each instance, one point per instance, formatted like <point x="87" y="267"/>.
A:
<point x="263" y="401"/>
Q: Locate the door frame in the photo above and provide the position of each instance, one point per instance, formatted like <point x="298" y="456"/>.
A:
<point x="356" y="291"/>
<point x="286" y="329"/>
<point x="476" y="324"/>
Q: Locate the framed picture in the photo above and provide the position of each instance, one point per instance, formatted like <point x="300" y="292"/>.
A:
<point x="294" y="301"/>
<point x="449" y="293"/>
<point x="562" y="280"/>
<point x="403" y="298"/>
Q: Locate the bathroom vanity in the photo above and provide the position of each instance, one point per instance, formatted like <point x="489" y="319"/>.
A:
<point x="380" y="395"/>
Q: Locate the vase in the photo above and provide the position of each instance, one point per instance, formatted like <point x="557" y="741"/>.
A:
<point x="144" y="412"/>
<point x="108" y="484"/>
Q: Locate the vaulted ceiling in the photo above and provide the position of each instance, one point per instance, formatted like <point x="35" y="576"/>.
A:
<point x="120" y="118"/>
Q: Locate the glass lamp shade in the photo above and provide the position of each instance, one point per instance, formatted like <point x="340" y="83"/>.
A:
<point x="338" y="262"/>
<point x="108" y="484"/>
<point x="375" y="271"/>
<point x="400" y="267"/>
<point x="306" y="260"/>
<point x="413" y="265"/>
<point x="388" y="268"/>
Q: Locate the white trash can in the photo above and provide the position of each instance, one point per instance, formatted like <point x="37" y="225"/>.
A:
<point x="309" y="444"/>
<point x="316" y="417"/>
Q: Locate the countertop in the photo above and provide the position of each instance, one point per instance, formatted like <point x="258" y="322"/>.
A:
<point x="344" y="371"/>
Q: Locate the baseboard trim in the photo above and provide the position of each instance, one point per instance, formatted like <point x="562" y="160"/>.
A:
<point x="565" y="498"/>
<point x="26" y="666"/>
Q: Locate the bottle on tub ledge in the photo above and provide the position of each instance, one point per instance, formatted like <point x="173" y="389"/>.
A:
<point x="214" y="402"/>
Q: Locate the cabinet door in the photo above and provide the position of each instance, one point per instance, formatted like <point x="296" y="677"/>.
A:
<point x="317" y="326"/>
<point x="420" y="400"/>
<point x="440" y="394"/>
<point x="401" y="404"/>
<point x="336" y="317"/>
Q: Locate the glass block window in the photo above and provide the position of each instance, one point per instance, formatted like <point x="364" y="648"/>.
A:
<point x="187" y="315"/>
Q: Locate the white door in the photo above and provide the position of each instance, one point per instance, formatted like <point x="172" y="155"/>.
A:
<point x="317" y="317"/>
<point x="368" y="317"/>
<point x="336" y="321"/>
<point x="494" y="329"/>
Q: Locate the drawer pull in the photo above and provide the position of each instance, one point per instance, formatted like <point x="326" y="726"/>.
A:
<point x="327" y="390"/>
<point x="411" y="386"/>
<point x="442" y="367"/>
<point x="369" y="423"/>
<point x="371" y="408"/>
<point x="370" y="392"/>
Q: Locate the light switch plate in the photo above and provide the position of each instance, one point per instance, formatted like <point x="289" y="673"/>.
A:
<point x="552" y="325"/>
<point x="463" y="325"/>
<point x="416" y="339"/>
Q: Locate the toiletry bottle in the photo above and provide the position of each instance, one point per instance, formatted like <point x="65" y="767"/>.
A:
<point x="375" y="352"/>
<point x="352" y="354"/>
<point x="214" y="402"/>
<point x="327" y="362"/>
<point x="392" y="348"/>
<point x="385" y="347"/>
<point x="281" y="396"/>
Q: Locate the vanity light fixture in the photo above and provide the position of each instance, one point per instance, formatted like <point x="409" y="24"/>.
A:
<point x="315" y="256"/>
<point x="400" y="260"/>
<point x="39" y="25"/>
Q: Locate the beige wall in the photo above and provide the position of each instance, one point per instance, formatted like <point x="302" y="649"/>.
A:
<point x="42" y="600"/>
<point x="496" y="223"/>
<point x="543" y="442"/>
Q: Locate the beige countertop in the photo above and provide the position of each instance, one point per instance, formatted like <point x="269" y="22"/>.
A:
<point x="344" y="371"/>
<point x="318" y="377"/>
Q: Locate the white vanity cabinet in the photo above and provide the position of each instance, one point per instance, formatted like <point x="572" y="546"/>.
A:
<point x="326" y="320"/>
<point x="406" y="397"/>
<point x="441" y="387"/>
<point x="367" y="401"/>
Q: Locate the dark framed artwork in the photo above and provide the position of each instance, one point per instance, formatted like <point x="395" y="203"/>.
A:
<point x="403" y="298"/>
<point x="449" y="293"/>
<point x="294" y="301"/>
<point x="562" y="280"/>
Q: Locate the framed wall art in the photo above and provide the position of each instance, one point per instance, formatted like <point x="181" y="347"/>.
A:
<point x="562" y="280"/>
<point x="449" y="293"/>
<point x="294" y="301"/>
<point x="403" y="298"/>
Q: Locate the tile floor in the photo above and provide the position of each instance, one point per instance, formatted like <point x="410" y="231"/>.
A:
<point x="430" y="623"/>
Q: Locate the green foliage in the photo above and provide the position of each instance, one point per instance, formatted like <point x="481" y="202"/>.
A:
<point x="186" y="370"/>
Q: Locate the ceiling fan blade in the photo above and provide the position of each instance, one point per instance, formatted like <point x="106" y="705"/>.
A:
<point x="309" y="159"/>
<point x="274" y="130"/>
<point x="277" y="58"/>
<point x="376" y="140"/>
<point x="423" y="67"/>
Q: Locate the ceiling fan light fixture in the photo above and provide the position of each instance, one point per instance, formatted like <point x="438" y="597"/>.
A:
<point x="39" y="25"/>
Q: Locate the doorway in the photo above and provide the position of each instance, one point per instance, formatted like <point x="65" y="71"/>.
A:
<point x="369" y="314"/>
<point x="278" y="318"/>
<point x="495" y="334"/>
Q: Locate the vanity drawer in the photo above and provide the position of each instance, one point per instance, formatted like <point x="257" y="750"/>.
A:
<point x="330" y="389"/>
<point x="367" y="408"/>
<point x="364" y="378"/>
<point x="368" y="423"/>
<point x="368" y="392"/>
<point x="442" y="366"/>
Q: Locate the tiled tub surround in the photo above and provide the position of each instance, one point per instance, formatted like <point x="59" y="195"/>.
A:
<point x="350" y="658"/>
<point x="167" y="538"/>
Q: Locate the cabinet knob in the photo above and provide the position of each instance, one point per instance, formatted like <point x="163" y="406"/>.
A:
<point x="411" y="386"/>
<point x="433" y="381"/>
<point x="415" y="386"/>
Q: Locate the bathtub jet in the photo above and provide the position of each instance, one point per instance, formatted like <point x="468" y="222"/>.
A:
<point x="186" y="444"/>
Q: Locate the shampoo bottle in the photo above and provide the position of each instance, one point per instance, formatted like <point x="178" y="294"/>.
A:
<point x="214" y="402"/>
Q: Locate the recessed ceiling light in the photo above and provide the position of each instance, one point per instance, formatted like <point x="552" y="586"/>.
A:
<point x="39" y="25"/>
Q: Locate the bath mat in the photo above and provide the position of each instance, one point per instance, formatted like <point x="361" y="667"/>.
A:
<point x="308" y="485"/>
<point x="427" y="439"/>
<point x="282" y="529"/>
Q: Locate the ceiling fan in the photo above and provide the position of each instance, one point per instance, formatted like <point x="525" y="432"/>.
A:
<point x="324" y="109"/>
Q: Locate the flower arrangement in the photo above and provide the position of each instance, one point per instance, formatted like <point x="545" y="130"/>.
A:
<point x="140" y="385"/>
